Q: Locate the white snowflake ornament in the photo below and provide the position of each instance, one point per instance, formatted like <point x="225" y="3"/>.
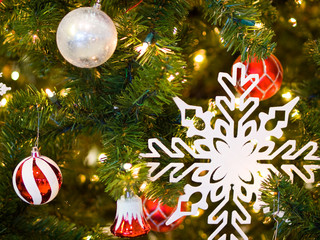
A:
<point x="240" y="154"/>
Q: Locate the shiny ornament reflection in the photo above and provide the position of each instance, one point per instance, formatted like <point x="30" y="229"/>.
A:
<point x="37" y="179"/>
<point x="86" y="37"/>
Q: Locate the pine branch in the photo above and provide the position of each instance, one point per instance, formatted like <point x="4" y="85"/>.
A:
<point x="240" y="31"/>
<point x="312" y="49"/>
<point x="44" y="229"/>
<point x="301" y="219"/>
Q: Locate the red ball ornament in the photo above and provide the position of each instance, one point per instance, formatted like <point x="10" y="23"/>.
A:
<point x="37" y="179"/>
<point x="157" y="214"/>
<point x="270" y="77"/>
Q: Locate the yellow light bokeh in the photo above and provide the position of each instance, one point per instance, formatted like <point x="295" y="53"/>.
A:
<point x="82" y="178"/>
<point x="287" y="95"/>
<point x="199" y="58"/>
<point x="293" y="21"/>
<point x="94" y="178"/>
<point x="15" y="75"/>
<point x="3" y="102"/>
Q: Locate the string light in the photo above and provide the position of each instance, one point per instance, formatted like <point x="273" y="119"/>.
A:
<point x="127" y="166"/>
<point x="135" y="172"/>
<point x="256" y="210"/>
<point x="15" y="75"/>
<point x="170" y="78"/>
<point x="143" y="186"/>
<point x="53" y="97"/>
<point x="102" y="158"/>
<point x="199" y="213"/>
<point x="94" y="178"/>
<point x="64" y="92"/>
<point x="165" y="50"/>
<point x="287" y="95"/>
<point x="49" y="93"/>
<point x="299" y="2"/>
<point x="293" y="21"/>
<point x="237" y="102"/>
<point x="142" y="48"/>
<point x="295" y="113"/>
<point x="259" y="25"/>
<point x="199" y="58"/>
<point x="35" y="38"/>
<point x="3" y="102"/>
<point x="175" y="31"/>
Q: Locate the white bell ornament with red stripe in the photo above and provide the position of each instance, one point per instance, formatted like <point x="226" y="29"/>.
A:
<point x="37" y="179"/>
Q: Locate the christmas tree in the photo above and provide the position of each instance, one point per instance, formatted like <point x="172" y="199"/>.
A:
<point x="94" y="116"/>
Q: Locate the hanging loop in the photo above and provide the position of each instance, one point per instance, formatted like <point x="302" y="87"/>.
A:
<point x="38" y="128"/>
<point x="134" y="6"/>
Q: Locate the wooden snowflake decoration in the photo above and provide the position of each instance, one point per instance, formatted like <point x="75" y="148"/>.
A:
<point x="236" y="165"/>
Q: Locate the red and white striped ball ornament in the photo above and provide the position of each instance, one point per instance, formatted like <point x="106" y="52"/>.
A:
<point x="37" y="179"/>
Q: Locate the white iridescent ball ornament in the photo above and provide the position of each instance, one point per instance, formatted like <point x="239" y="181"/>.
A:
<point x="87" y="37"/>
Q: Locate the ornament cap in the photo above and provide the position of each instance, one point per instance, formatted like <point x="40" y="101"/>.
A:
<point x="35" y="152"/>
<point x="130" y="220"/>
<point x="97" y="5"/>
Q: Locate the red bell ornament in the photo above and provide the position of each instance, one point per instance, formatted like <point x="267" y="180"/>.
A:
<point x="37" y="179"/>
<point x="157" y="214"/>
<point x="270" y="77"/>
<point x="130" y="221"/>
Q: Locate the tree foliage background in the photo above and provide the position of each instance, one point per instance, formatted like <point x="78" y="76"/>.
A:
<point x="116" y="107"/>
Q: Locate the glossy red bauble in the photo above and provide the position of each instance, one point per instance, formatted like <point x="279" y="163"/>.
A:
<point x="270" y="77"/>
<point x="37" y="179"/>
<point x="158" y="213"/>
